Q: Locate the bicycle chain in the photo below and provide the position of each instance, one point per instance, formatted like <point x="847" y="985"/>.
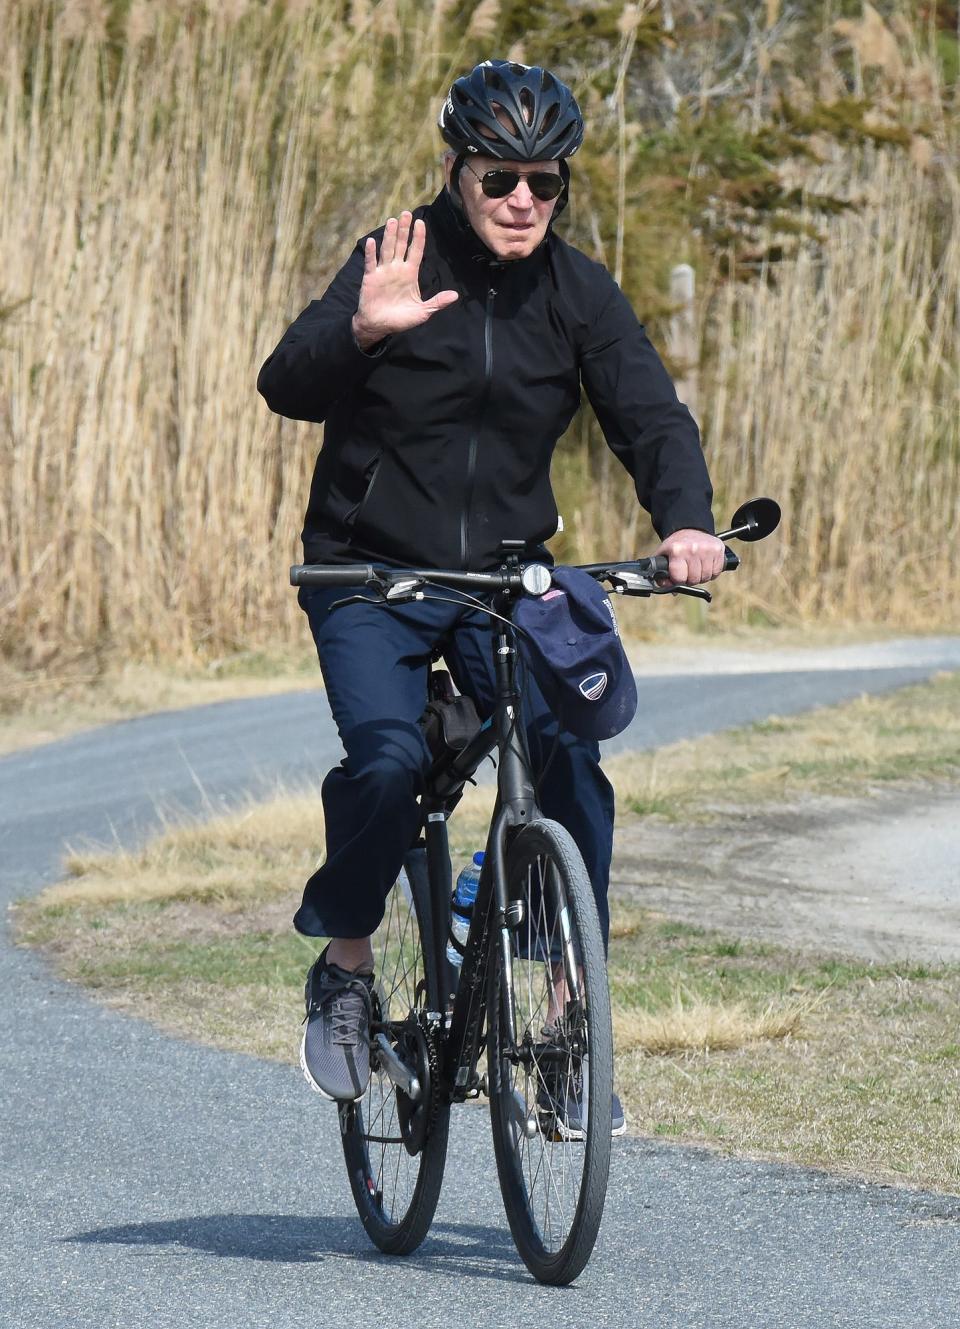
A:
<point x="431" y="1034"/>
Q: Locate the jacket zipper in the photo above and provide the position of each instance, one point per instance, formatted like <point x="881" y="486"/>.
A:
<point x="475" y="436"/>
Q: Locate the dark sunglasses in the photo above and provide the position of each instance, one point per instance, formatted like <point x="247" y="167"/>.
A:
<point x="498" y="183"/>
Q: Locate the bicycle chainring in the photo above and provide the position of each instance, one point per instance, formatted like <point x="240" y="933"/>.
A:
<point x="417" y="1046"/>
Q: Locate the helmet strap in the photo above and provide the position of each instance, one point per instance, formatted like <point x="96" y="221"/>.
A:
<point x="453" y="189"/>
<point x="564" y="198"/>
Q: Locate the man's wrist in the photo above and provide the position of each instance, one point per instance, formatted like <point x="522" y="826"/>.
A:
<point x="364" y="339"/>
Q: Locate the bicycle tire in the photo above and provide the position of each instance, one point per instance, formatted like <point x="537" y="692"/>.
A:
<point x="396" y="1192"/>
<point x="539" y="1162"/>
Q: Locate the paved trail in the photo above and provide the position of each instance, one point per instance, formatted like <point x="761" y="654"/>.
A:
<point x="148" y="1182"/>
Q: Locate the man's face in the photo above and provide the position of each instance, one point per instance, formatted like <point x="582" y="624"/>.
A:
<point x="511" y="227"/>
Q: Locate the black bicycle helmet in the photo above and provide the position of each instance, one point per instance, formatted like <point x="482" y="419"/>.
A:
<point x="539" y="119"/>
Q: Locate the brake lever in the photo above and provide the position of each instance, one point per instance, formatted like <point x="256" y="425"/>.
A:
<point x="681" y="589"/>
<point x="358" y="600"/>
<point x="386" y="592"/>
<point x="630" y="583"/>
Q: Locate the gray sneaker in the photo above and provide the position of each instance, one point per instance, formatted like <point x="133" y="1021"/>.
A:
<point x="335" y="1051"/>
<point x="562" y="1099"/>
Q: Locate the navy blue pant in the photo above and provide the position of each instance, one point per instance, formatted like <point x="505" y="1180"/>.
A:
<point x="375" y="663"/>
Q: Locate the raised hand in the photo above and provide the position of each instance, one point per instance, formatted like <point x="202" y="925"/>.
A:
<point x="390" y="292"/>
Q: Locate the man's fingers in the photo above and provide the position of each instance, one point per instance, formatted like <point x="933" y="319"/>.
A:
<point x="677" y="570"/>
<point x="695" y="557"/>
<point x="369" y="255"/>
<point x="440" y="300"/>
<point x="388" y="245"/>
<point x="403" y="235"/>
<point x="417" y="243"/>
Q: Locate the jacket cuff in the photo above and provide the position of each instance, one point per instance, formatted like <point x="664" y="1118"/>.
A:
<point x="377" y="349"/>
<point x="685" y="519"/>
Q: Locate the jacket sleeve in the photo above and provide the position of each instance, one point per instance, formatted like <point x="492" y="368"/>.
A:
<point x="644" y="423"/>
<point x="318" y="360"/>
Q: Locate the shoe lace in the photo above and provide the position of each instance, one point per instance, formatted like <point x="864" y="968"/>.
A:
<point x="349" y="1008"/>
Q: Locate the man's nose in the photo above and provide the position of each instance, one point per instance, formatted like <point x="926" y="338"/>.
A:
<point x="522" y="196"/>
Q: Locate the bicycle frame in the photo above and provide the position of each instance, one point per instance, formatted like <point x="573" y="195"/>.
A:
<point x="516" y="806"/>
<point x="552" y="1085"/>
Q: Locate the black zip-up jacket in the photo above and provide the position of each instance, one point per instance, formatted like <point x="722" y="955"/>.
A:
<point x="437" y="446"/>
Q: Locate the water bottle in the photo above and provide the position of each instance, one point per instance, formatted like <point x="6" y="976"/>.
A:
<point x="464" y="894"/>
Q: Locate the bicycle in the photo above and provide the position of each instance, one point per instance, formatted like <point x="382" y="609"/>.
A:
<point x="532" y="989"/>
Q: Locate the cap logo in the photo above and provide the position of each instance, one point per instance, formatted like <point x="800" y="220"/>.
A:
<point x="613" y="618"/>
<point x="593" y="686"/>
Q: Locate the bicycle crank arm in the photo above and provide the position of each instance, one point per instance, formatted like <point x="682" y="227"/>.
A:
<point x="400" y="1074"/>
<point x="526" y="1121"/>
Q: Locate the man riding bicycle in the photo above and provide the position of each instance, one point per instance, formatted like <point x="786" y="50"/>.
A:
<point x="446" y="359"/>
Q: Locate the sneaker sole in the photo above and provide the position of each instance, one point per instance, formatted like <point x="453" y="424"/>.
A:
<point x="566" y="1135"/>
<point x="313" y="1084"/>
<point x="308" y="1077"/>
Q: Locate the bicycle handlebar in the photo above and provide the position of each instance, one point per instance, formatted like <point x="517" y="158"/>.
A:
<point x="361" y="574"/>
<point x="365" y="574"/>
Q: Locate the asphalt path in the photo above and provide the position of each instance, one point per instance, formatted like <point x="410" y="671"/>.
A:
<point x="149" y="1182"/>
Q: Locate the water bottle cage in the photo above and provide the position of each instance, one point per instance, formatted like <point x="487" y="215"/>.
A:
<point x="465" y="911"/>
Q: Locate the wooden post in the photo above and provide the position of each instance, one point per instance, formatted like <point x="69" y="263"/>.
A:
<point x="684" y="341"/>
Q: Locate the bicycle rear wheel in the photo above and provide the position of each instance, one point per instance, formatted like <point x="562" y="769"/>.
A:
<point x="550" y="1097"/>
<point x="395" y="1148"/>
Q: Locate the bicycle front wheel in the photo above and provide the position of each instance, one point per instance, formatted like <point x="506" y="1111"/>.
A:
<point x="550" y="1093"/>
<point x="395" y="1147"/>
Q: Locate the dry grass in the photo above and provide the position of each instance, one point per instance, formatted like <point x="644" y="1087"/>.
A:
<point x="253" y="854"/>
<point x="174" y="190"/>
<point x="869" y="1085"/>
<point x="913" y="733"/>
<point x="689" y="1024"/>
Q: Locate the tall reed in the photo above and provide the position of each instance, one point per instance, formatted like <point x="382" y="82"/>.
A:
<point x="168" y="204"/>
<point x="172" y="192"/>
<point x="835" y="385"/>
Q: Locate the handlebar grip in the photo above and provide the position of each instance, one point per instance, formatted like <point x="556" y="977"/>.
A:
<point x="346" y="574"/>
<point x="654" y="566"/>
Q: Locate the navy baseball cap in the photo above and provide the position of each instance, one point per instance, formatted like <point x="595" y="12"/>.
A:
<point x="572" y="643"/>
